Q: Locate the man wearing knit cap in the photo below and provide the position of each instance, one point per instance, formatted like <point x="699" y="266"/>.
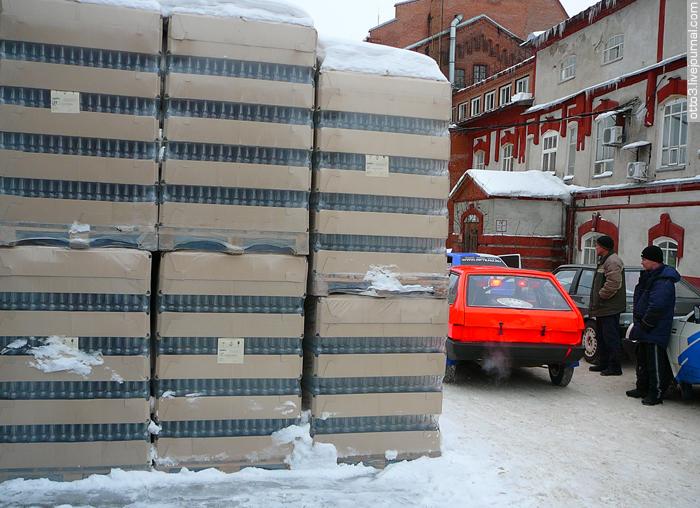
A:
<point x="654" y="303"/>
<point x="608" y="301"/>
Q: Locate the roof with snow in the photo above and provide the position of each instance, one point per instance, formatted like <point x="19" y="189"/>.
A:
<point x="518" y="184"/>
<point x="368" y="58"/>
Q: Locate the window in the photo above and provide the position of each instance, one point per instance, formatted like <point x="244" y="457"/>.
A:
<point x="505" y="94"/>
<point x="490" y="101"/>
<point x="509" y="292"/>
<point x="571" y="160"/>
<point x="604" y="155"/>
<point x="478" y="160"/>
<point x="463" y="111"/>
<point x="452" y="290"/>
<point x="566" y="278"/>
<point x="585" y="282"/>
<point x="549" y="151"/>
<point x="507" y="157"/>
<point x="476" y="106"/>
<point x="568" y="68"/>
<point x="670" y="250"/>
<point x="588" y="253"/>
<point x="614" y="49"/>
<point x="523" y="85"/>
<point x="674" y="149"/>
<point x="480" y="72"/>
<point x="459" y="78"/>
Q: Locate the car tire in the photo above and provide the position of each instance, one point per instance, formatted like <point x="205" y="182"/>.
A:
<point x="450" y="374"/>
<point x="560" y="374"/>
<point x="591" y="351"/>
<point x="686" y="390"/>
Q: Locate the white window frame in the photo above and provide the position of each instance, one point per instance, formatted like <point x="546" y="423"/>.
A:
<point x="507" y="157"/>
<point x="509" y="90"/>
<point x="490" y="101"/>
<point x="604" y="156"/>
<point x="668" y="246"/>
<point x="588" y="253"/>
<point x="475" y="111"/>
<point x="462" y="111"/>
<point x="522" y="85"/>
<point x="614" y="49"/>
<point x="567" y="69"/>
<point x="479" y="158"/>
<point x="674" y="149"/>
<point x="549" y="153"/>
<point x="572" y="142"/>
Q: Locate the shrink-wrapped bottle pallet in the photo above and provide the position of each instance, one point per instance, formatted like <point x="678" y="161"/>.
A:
<point x="373" y="375"/>
<point x="74" y="361"/>
<point x="238" y="125"/>
<point x="228" y="370"/>
<point x="380" y="181"/>
<point x="79" y="108"/>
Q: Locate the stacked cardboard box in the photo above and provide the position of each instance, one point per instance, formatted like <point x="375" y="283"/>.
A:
<point x="239" y="135"/>
<point x="79" y="106"/>
<point x="74" y="361"/>
<point x="229" y="357"/>
<point x="373" y="367"/>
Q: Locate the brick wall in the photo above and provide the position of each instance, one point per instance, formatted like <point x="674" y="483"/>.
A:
<point x="422" y="18"/>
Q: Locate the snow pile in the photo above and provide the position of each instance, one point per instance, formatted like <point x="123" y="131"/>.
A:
<point x="154" y="428"/>
<point x="272" y="11"/>
<point x="14" y="345"/>
<point x="383" y="278"/>
<point x="306" y="454"/>
<point x="529" y="184"/>
<point x="56" y="356"/>
<point x="368" y="58"/>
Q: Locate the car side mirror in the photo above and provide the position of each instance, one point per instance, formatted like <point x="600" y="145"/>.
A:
<point x="696" y="314"/>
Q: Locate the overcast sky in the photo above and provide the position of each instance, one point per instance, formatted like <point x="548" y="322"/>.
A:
<point x="352" y="19"/>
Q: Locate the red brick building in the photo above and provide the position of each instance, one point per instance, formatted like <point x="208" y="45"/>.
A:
<point x="489" y="35"/>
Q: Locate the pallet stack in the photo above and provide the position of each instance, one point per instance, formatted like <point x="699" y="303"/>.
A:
<point x="79" y="107"/>
<point x="374" y="353"/>
<point x="236" y="180"/>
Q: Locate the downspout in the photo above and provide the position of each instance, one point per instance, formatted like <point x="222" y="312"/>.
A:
<point x="453" y="45"/>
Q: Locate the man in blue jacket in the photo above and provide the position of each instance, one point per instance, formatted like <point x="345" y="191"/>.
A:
<point x="654" y="303"/>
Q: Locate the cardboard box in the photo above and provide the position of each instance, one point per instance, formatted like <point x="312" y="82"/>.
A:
<point x="395" y="184"/>
<point x="207" y="367"/>
<point x="95" y="411"/>
<point x="379" y="224"/>
<point x="229" y="408"/>
<point x="382" y="143"/>
<point x="372" y="446"/>
<point x="380" y="365"/>
<point x="237" y="132"/>
<point x="376" y="404"/>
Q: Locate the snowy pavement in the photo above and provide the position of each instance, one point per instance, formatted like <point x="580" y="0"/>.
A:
<point x="517" y="442"/>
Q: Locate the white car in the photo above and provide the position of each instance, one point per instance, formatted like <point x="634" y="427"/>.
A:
<point x="684" y="352"/>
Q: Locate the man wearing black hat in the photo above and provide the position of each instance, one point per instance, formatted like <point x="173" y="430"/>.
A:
<point x="654" y="303"/>
<point x="608" y="301"/>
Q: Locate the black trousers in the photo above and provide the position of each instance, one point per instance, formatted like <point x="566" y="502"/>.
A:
<point x="609" y="341"/>
<point x="653" y="370"/>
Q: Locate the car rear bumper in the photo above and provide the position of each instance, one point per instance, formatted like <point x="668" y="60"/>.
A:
<point x="517" y="353"/>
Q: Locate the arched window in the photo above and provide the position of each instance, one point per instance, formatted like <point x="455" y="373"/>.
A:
<point x="670" y="249"/>
<point x="588" y="254"/>
<point x="478" y="160"/>
<point x="549" y="151"/>
<point x="507" y="157"/>
<point x="674" y="146"/>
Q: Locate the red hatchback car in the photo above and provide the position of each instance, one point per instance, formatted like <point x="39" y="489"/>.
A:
<point x="521" y="317"/>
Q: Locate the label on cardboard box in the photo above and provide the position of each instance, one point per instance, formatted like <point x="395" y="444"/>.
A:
<point x="71" y="342"/>
<point x="377" y="165"/>
<point x="65" y="102"/>
<point x="230" y="350"/>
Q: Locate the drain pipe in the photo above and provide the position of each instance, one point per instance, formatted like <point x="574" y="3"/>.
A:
<point x="453" y="45"/>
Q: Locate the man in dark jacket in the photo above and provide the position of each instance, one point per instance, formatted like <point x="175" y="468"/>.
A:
<point x="654" y="303"/>
<point x="608" y="301"/>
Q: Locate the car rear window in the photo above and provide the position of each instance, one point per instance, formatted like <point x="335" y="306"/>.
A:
<point x="514" y="292"/>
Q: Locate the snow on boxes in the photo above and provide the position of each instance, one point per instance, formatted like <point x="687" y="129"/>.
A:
<point x="74" y="361"/>
<point x="229" y="357"/>
<point x="239" y="132"/>
<point x="373" y="367"/>
<point x="79" y="105"/>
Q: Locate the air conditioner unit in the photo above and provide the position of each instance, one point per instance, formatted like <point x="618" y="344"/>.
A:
<point x="638" y="171"/>
<point x="613" y="136"/>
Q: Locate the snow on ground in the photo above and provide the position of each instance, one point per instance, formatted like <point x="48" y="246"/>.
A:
<point x="506" y="442"/>
<point x="364" y="57"/>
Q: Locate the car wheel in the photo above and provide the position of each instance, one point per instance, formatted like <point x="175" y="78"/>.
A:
<point x="686" y="391"/>
<point x="560" y="374"/>
<point x="591" y="351"/>
<point x="450" y="373"/>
